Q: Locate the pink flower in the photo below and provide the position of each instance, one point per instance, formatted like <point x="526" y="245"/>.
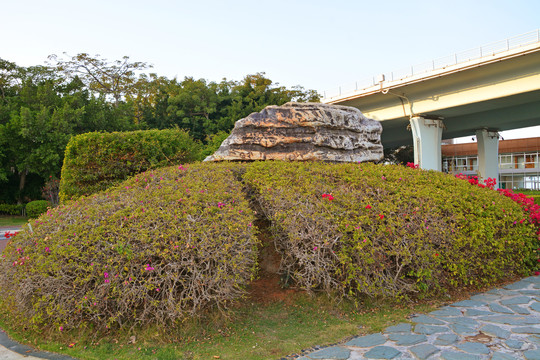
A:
<point x="148" y="267"/>
<point x="315" y="248"/>
<point x="105" y="275"/>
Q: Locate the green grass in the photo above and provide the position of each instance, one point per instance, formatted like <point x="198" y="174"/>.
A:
<point x="250" y="331"/>
<point x="6" y="220"/>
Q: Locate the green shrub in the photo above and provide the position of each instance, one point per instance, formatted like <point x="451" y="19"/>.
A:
<point x="97" y="161"/>
<point x="164" y="245"/>
<point x="388" y="230"/>
<point x="36" y="208"/>
<point x="9" y="209"/>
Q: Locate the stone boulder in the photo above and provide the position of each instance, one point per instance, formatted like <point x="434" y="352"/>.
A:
<point x="303" y="131"/>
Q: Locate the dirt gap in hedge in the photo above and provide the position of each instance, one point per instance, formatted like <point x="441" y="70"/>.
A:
<point x="268" y="287"/>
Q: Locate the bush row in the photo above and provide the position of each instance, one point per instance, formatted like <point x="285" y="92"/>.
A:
<point x="8" y="209"/>
<point x="389" y="230"/>
<point x="162" y="246"/>
<point x="96" y="161"/>
<point x="33" y="209"/>
<point x="168" y="243"/>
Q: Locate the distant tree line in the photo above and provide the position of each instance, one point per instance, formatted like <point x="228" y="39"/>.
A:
<point x="41" y="107"/>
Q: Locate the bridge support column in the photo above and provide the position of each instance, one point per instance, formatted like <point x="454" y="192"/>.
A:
<point x="427" y="136"/>
<point x="488" y="155"/>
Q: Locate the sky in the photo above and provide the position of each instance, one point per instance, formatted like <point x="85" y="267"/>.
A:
<point x="316" y="44"/>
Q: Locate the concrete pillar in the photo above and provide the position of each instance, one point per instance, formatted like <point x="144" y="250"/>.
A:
<point x="488" y="155"/>
<point x="427" y="135"/>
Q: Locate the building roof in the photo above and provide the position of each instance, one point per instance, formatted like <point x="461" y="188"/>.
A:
<point x="505" y="147"/>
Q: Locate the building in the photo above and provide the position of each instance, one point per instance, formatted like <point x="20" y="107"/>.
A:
<point x="519" y="162"/>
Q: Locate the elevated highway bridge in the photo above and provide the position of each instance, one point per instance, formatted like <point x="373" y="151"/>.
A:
<point x="479" y="92"/>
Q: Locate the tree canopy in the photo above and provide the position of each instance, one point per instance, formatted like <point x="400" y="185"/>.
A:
<point x="41" y="107"/>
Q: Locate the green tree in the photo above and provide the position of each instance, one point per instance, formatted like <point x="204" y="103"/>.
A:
<point x="115" y="78"/>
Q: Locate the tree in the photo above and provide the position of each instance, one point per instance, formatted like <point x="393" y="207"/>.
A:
<point x="116" y="78"/>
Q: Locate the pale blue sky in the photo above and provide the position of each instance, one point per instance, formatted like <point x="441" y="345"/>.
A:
<point x="317" y="44"/>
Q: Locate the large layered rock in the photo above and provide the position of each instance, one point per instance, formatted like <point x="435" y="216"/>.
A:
<point x="303" y="131"/>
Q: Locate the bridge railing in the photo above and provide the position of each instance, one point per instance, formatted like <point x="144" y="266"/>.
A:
<point x="438" y="64"/>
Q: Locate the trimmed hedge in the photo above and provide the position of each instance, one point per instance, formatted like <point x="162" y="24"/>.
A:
<point x="389" y="230"/>
<point x="96" y="161"/>
<point x="8" y="209"/>
<point x="164" y="245"/>
<point x="36" y="208"/>
<point x="169" y="243"/>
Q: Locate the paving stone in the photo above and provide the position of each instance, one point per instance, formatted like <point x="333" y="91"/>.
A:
<point x="429" y="329"/>
<point x="403" y="327"/>
<point x="463" y="321"/>
<point x="367" y="341"/>
<point x="501" y="292"/>
<point x="526" y="330"/>
<point x="519" y="309"/>
<point x="302" y="358"/>
<point x="514" y="344"/>
<point x="469" y="303"/>
<point x="424" y="351"/>
<point x="518" y="285"/>
<point x="534" y="339"/>
<point x="511" y="319"/>
<point x="532" y="354"/>
<point x="463" y="330"/>
<point x="535" y="306"/>
<point x="495" y="331"/>
<point x="473" y="348"/>
<point x="407" y="339"/>
<point x="477" y="312"/>
<point x="334" y="352"/>
<point x="446" y="311"/>
<point x="530" y="292"/>
<point x="533" y="279"/>
<point x="516" y="300"/>
<point x="446" y="339"/>
<point x="502" y="356"/>
<point x="451" y="355"/>
<point x="485" y="297"/>
<point x="382" y="352"/>
<point x="428" y="320"/>
<point x="499" y="309"/>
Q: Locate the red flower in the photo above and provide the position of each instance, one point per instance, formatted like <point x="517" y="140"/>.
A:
<point x="381" y="216"/>
<point x="368" y="206"/>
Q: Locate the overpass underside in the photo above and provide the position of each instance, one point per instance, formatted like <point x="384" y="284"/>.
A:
<point x="479" y="98"/>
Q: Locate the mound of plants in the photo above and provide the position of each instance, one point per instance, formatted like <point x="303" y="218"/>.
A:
<point x="163" y="246"/>
<point x="36" y="208"/>
<point x="167" y="244"/>
<point x="96" y="161"/>
<point x="389" y="230"/>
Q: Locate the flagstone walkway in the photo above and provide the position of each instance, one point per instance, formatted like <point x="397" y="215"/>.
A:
<point x="499" y="324"/>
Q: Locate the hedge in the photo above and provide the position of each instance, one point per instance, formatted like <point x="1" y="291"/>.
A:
<point x="36" y="208"/>
<point x="389" y="230"/>
<point x="8" y="209"/>
<point x="96" y="161"/>
<point x="163" y="246"/>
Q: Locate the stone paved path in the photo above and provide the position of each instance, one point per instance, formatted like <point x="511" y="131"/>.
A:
<point x="499" y="324"/>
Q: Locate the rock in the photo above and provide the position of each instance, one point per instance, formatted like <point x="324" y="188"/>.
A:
<point x="302" y="132"/>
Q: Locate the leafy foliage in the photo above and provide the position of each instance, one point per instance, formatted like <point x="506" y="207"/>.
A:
<point x="164" y="245"/>
<point x="97" y="161"/>
<point x="388" y="230"/>
<point x="36" y="208"/>
<point x="9" y="209"/>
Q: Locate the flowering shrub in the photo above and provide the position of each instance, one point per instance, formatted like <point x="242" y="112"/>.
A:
<point x="388" y="230"/>
<point x="161" y="246"/>
<point x="527" y="203"/>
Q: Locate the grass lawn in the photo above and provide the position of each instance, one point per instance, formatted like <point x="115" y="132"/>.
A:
<point x="249" y="331"/>
<point x="7" y="220"/>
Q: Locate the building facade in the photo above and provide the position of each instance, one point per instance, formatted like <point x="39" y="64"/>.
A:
<point x="519" y="162"/>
